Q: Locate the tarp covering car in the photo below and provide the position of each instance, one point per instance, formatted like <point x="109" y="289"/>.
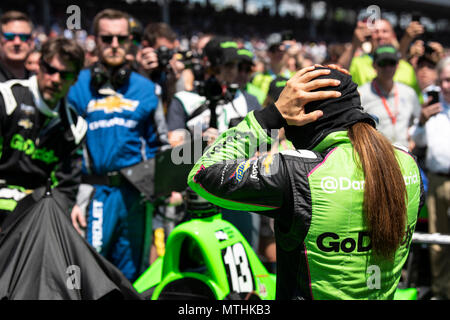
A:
<point x="42" y="257"/>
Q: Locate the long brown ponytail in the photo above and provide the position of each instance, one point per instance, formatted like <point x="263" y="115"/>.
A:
<point x="384" y="189"/>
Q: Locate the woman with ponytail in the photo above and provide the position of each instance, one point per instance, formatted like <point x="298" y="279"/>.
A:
<point x="345" y="203"/>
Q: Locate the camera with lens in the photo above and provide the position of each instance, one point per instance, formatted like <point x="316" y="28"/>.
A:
<point x="192" y="61"/>
<point x="164" y="56"/>
<point x="211" y="89"/>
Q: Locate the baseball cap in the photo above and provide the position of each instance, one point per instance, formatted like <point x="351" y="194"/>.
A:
<point x="385" y="53"/>
<point x="245" y="56"/>
<point x="221" y="50"/>
<point x="276" y="86"/>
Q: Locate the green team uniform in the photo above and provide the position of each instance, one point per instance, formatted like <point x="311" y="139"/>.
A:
<point x="263" y="80"/>
<point x="254" y="90"/>
<point x="316" y="199"/>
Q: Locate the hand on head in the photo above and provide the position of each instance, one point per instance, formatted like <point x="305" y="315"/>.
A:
<point x="299" y="91"/>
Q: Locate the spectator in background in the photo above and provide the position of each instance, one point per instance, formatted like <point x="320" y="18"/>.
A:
<point x="275" y="53"/>
<point x="361" y="67"/>
<point x="157" y="59"/>
<point x="424" y="60"/>
<point x="394" y="104"/>
<point x="15" y="43"/>
<point x="32" y="61"/>
<point x="334" y="52"/>
<point x="432" y="130"/>
<point x="188" y="109"/>
<point x="414" y="29"/>
<point x="425" y="57"/>
<point x="245" y="67"/>
<point x="192" y="111"/>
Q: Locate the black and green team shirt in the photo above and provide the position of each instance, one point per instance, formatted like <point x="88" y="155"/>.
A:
<point x="316" y="199"/>
<point x="36" y="143"/>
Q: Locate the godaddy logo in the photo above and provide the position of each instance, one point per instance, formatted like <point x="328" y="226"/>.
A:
<point x="28" y="147"/>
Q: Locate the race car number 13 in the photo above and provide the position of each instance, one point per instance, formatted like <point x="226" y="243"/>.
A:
<point x="238" y="270"/>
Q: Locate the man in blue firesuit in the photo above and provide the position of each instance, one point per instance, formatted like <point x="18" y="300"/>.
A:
<point x="120" y="107"/>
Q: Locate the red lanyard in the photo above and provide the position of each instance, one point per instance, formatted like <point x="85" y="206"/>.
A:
<point x="386" y="106"/>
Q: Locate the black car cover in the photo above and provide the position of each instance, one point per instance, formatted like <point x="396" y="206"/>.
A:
<point x="42" y="256"/>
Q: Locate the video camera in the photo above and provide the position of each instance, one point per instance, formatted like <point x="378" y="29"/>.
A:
<point x="214" y="91"/>
<point x="215" y="94"/>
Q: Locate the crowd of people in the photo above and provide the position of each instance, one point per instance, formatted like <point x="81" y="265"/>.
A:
<point x="81" y="108"/>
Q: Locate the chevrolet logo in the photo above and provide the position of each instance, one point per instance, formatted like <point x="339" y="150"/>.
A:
<point x="110" y="104"/>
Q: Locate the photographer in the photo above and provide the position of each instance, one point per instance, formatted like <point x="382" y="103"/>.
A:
<point x="217" y="105"/>
<point x="157" y="61"/>
<point x="192" y="110"/>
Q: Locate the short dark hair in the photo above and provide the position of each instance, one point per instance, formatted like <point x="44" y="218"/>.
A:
<point x="14" y="16"/>
<point x="157" y="30"/>
<point x="66" y="49"/>
<point x="110" y="14"/>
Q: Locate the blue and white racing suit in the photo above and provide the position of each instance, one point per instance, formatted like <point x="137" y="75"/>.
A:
<point x="121" y="133"/>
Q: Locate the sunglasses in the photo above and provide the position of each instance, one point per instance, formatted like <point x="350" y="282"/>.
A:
<point x="10" y="36"/>
<point x="65" y="75"/>
<point x="108" y="39"/>
<point x="387" y="63"/>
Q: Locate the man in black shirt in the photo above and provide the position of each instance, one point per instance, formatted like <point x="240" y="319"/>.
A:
<point x="39" y="131"/>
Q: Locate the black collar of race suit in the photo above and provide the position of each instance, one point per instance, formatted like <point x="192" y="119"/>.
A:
<point x="338" y="113"/>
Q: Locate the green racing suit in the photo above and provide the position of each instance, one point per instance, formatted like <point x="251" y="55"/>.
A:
<point x="316" y="198"/>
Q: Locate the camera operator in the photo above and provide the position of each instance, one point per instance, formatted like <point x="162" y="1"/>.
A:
<point x="189" y="110"/>
<point x="217" y="105"/>
<point x="157" y="59"/>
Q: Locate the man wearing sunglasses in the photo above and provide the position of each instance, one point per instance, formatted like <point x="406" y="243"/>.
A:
<point x="393" y="103"/>
<point x="39" y="131"/>
<point x="15" y="43"/>
<point x="119" y="106"/>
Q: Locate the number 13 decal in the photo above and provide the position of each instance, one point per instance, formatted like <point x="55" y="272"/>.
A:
<point x="238" y="270"/>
